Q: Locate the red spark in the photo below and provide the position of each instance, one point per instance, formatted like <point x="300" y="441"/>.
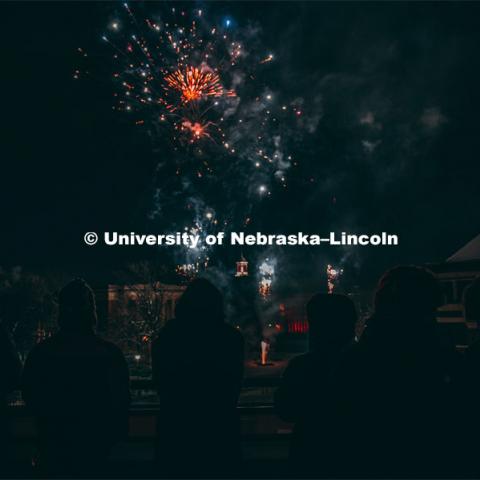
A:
<point x="197" y="129"/>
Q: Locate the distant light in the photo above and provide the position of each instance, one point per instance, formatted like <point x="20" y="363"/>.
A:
<point x="262" y="189"/>
<point x="115" y="25"/>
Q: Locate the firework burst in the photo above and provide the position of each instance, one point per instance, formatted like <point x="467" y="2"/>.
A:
<point x="198" y="88"/>
<point x="198" y="83"/>
<point x="194" y="84"/>
<point x="178" y="72"/>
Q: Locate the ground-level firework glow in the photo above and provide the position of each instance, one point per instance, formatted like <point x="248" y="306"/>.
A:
<point x="264" y="347"/>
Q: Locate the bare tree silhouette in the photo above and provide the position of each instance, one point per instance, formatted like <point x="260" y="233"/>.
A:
<point x="142" y="309"/>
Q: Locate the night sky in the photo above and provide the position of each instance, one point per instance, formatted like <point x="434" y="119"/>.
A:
<point x="393" y="146"/>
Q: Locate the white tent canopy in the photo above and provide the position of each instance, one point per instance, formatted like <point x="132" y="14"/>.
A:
<point x="471" y="251"/>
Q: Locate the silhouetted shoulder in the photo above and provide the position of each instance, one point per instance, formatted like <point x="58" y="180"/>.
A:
<point x="63" y="349"/>
<point x="110" y="348"/>
<point x="298" y="363"/>
<point x="10" y="366"/>
<point x="290" y="395"/>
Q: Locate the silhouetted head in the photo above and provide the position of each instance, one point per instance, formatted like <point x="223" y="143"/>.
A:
<point x="405" y="304"/>
<point x="200" y="302"/>
<point x="471" y="301"/>
<point x="331" y="321"/>
<point x="77" y="311"/>
<point x="407" y="292"/>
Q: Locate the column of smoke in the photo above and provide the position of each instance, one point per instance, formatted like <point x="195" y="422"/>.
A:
<point x="193" y="261"/>
<point x="349" y="258"/>
<point x="268" y="305"/>
<point x="266" y="273"/>
<point x="332" y="277"/>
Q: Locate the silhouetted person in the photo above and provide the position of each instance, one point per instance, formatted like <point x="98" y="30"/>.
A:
<point x="397" y="405"/>
<point x="471" y="380"/>
<point x="10" y="368"/>
<point x="77" y="387"/>
<point x="305" y="395"/>
<point x="198" y="369"/>
<point x="471" y="309"/>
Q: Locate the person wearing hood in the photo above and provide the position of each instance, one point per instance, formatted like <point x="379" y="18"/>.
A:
<point x="10" y="369"/>
<point x="304" y="396"/>
<point x="397" y="387"/>
<point x="76" y="385"/>
<point x="197" y="363"/>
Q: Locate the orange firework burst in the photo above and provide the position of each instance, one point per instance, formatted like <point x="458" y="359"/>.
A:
<point x="194" y="84"/>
